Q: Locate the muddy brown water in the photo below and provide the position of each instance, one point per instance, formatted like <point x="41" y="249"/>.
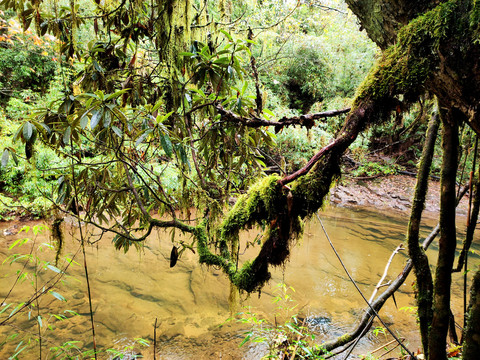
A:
<point x="190" y="302"/>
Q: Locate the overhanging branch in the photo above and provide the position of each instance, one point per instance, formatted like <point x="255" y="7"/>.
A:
<point x="307" y="120"/>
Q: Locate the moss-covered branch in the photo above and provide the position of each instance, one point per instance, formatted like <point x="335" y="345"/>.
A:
<point x="401" y="74"/>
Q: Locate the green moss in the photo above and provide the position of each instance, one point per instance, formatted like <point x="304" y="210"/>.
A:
<point x="255" y="207"/>
<point x="405" y="66"/>
<point x="309" y="191"/>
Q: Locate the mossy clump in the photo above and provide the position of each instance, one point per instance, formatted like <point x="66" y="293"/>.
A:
<point x="252" y="276"/>
<point x="257" y="206"/>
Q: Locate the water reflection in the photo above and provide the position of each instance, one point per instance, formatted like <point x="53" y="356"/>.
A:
<point x="190" y="302"/>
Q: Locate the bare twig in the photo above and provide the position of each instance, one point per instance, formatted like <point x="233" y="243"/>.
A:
<point x="380" y="282"/>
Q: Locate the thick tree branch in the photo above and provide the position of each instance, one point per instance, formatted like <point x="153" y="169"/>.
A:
<point x="257" y="122"/>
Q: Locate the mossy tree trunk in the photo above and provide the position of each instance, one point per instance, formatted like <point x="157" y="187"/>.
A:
<point x="437" y="340"/>
<point x="174" y="29"/>
<point x="417" y="254"/>
<point x="471" y="348"/>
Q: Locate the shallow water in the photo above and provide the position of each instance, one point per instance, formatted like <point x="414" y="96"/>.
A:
<point x="190" y="302"/>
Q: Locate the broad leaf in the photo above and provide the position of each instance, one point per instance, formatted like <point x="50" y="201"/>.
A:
<point x="96" y="117"/>
<point x="166" y="144"/>
<point x="27" y="131"/>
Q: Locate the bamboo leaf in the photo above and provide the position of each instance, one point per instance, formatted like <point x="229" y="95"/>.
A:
<point x="54" y="269"/>
<point x="5" y="308"/>
<point x="58" y="296"/>
<point x="245" y="340"/>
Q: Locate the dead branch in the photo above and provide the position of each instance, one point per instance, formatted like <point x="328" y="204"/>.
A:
<point x="380" y="282"/>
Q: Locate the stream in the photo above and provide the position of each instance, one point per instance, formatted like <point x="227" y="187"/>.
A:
<point x="189" y="302"/>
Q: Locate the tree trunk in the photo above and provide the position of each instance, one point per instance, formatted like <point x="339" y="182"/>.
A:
<point x="423" y="274"/>
<point x="437" y="340"/>
<point x="471" y="347"/>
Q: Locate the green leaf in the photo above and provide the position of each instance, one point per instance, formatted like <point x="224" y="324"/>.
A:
<point x="58" y="296"/>
<point x="39" y="319"/>
<point x="66" y="135"/>
<point x="229" y="37"/>
<point x="183" y="155"/>
<point x="107" y="119"/>
<point x="116" y="94"/>
<point x="17" y="133"/>
<point x="223" y="60"/>
<point x="246" y="339"/>
<point x="54" y="269"/>
<point x="269" y="112"/>
<point x="16" y="309"/>
<point x="84" y="120"/>
<point x="117" y="131"/>
<point x="27" y="131"/>
<point x="5" y="155"/>
<point x="5" y="308"/>
<point x="19" y="242"/>
<point x="96" y="117"/>
<point x="166" y="144"/>
<point x="142" y="137"/>
<point x="157" y="105"/>
<point x="14" y="156"/>
<point x="14" y="356"/>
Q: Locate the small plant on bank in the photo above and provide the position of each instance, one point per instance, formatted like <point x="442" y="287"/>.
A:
<point x="284" y="340"/>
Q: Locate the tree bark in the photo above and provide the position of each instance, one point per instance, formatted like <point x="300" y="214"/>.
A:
<point x="437" y="340"/>
<point x="471" y="347"/>
<point x="422" y="271"/>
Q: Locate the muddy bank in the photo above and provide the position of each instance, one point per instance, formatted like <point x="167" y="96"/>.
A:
<point x="393" y="193"/>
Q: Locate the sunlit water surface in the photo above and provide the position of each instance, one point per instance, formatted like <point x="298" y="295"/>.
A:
<point x="189" y="302"/>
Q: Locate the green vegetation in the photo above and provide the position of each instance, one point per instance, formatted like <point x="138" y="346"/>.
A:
<point x="289" y="337"/>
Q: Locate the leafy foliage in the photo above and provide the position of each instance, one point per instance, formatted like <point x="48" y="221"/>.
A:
<point x="283" y="339"/>
<point x="27" y="61"/>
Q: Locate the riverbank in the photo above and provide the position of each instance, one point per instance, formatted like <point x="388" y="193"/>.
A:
<point x="392" y="193"/>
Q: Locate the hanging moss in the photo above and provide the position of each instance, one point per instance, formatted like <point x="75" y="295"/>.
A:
<point x="58" y="238"/>
<point x="404" y="69"/>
